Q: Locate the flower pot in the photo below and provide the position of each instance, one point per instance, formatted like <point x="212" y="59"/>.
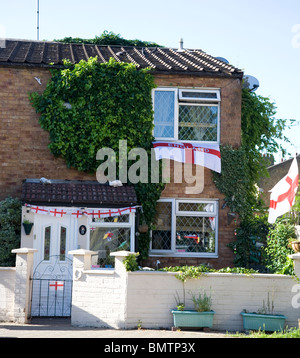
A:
<point x="193" y="318"/>
<point x="264" y="322"/>
<point x="27" y="228"/>
<point x="143" y="228"/>
<point x="296" y="246"/>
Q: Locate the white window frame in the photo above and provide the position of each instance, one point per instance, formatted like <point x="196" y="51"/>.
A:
<point x="193" y="99"/>
<point x="206" y="102"/>
<point x="130" y="224"/>
<point x="176" y="110"/>
<point x="176" y="212"/>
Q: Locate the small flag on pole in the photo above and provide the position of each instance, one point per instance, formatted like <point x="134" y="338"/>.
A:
<point x="283" y="194"/>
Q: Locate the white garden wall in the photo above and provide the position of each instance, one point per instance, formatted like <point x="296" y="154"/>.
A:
<point x="7" y="292"/>
<point x="15" y="288"/>
<point x="114" y="298"/>
<point x="120" y="299"/>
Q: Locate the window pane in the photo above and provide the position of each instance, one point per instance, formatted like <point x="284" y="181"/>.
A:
<point x="201" y="207"/>
<point x="113" y="219"/>
<point x="106" y="240"/>
<point x="198" y="123"/>
<point x="62" y="251"/>
<point x="199" y="95"/>
<point x="164" y="114"/>
<point x="47" y="241"/>
<point x="195" y="234"/>
<point x="161" y="236"/>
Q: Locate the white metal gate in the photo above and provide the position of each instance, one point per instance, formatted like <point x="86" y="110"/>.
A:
<point x="52" y="288"/>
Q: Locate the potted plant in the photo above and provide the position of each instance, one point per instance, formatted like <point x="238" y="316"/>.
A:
<point x="201" y="317"/>
<point x="295" y="246"/>
<point x="27" y="226"/>
<point x="264" y="319"/>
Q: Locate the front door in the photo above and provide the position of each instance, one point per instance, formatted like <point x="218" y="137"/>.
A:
<point x="52" y="277"/>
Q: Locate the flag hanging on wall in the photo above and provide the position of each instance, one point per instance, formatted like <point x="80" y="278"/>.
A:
<point x="283" y="194"/>
<point x="206" y="155"/>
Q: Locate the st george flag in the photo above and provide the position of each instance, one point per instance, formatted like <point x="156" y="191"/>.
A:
<point x="206" y="155"/>
<point x="283" y="194"/>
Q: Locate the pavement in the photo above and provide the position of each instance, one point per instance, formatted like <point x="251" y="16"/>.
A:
<point x="62" y="328"/>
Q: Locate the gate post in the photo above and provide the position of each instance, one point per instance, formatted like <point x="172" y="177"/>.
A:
<point x="24" y="269"/>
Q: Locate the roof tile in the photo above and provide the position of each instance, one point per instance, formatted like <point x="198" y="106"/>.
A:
<point x="46" y="54"/>
<point x="77" y="193"/>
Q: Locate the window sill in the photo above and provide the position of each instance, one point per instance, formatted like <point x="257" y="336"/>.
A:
<point x="187" y="255"/>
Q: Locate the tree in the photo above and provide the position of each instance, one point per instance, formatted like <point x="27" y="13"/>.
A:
<point x="261" y="131"/>
<point x="109" y="38"/>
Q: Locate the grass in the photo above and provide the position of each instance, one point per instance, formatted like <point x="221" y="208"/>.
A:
<point x="287" y="333"/>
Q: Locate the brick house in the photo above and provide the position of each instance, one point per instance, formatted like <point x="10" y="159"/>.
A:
<point x="189" y="229"/>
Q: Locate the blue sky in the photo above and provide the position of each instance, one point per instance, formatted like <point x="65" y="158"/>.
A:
<point x="262" y="37"/>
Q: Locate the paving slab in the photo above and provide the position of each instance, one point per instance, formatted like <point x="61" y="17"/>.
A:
<point x="63" y="329"/>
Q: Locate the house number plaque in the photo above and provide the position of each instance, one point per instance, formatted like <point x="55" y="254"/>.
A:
<point x="82" y="230"/>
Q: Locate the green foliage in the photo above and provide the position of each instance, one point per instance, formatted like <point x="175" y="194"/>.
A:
<point x="10" y="230"/>
<point x="109" y="102"/>
<point x="130" y="262"/>
<point x="106" y="102"/>
<point x="109" y="38"/>
<point x="243" y="167"/>
<point x="287" y="333"/>
<point x="195" y="272"/>
<point x="251" y="230"/>
<point x="235" y="181"/>
<point x="277" y="249"/>
<point x="261" y="131"/>
<point x="188" y="272"/>
<point x="202" y="302"/>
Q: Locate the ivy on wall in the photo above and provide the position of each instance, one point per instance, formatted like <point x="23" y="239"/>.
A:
<point x="235" y="181"/>
<point x="92" y="105"/>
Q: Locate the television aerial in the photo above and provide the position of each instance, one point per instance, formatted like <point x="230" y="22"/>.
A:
<point x="251" y="83"/>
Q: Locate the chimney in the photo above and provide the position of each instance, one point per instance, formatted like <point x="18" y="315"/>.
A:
<point x="180" y="48"/>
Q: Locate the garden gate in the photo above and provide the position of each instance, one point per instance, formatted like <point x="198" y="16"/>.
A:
<point x="52" y="288"/>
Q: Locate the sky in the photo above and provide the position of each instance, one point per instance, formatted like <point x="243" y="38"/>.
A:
<point x="261" y="37"/>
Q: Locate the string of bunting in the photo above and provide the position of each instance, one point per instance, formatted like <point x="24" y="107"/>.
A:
<point x="78" y="213"/>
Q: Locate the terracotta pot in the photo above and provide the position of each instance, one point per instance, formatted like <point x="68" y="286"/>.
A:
<point x="143" y="228"/>
<point x="296" y="246"/>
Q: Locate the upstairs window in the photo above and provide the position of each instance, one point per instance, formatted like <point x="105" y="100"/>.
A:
<point x="187" y="115"/>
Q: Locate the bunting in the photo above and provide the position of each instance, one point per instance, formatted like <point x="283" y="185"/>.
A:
<point x="78" y="213"/>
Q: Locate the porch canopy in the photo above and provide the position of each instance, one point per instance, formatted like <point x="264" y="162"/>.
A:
<point x="77" y="193"/>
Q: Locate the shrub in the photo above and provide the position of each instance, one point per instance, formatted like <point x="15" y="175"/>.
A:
<point x="10" y="230"/>
<point x="277" y="249"/>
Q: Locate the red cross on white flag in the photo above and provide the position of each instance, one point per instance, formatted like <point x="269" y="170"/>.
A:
<point x="283" y="194"/>
<point x="56" y="285"/>
<point x="207" y="155"/>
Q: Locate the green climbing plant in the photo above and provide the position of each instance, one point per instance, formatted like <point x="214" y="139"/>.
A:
<point x="92" y="105"/>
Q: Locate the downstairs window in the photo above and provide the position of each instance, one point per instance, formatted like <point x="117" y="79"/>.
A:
<point x="185" y="228"/>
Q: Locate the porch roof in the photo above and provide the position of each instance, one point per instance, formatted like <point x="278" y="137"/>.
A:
<point x="77" y="193"/>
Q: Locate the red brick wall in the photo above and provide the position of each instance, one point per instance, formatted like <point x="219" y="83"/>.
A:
<point x="24" y="149"/>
